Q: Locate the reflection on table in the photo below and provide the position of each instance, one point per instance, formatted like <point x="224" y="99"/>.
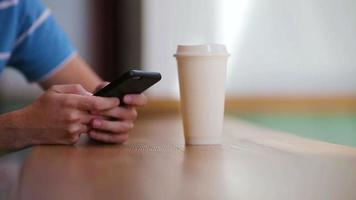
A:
<point x="252" y="163"/>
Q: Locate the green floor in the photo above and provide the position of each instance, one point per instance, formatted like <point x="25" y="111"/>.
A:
<point x="335" y="128"/>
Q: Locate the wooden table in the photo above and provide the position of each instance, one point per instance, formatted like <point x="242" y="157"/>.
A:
<point x="252" y="163"/>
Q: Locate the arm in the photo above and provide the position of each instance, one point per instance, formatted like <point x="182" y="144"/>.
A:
<point x="76" y="71"/>
<point x="58" y="116"/>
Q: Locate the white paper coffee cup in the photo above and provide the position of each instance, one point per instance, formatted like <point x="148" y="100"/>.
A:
<point x="202" y="74"/>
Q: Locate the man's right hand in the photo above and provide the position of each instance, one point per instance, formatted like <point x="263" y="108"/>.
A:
<point x="59" y="116"/>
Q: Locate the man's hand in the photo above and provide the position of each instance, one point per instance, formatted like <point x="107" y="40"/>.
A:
<point x="61" y="114"/>
<point x="112" y="125"/>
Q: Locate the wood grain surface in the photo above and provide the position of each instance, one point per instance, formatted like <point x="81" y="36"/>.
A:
<point x="252" y="163"/>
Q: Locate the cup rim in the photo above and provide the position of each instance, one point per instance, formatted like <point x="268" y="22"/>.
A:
<point x="201" y="50"/>
<point x="202" y="55"/>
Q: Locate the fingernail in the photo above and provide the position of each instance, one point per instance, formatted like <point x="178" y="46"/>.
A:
<point x="128" y="99"/>
<point x="117" y="101"/>
<point x="96" y="123"/>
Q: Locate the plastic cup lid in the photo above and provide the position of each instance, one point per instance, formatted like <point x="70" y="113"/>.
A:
<point x="201" y="50"/>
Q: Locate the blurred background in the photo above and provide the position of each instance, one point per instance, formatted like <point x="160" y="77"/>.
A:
<point x="292" y="64"/>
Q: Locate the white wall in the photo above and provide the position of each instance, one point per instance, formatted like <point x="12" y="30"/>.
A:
<point x="73" y="17"/>
<point x="278" y="47"/>
<point x="167" y="23"/>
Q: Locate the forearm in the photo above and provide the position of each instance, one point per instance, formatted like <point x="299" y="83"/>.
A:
<point x="76" y="71"/>
<point x="11" y="132"/>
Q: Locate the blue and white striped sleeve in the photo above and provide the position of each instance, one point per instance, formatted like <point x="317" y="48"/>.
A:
<point x="41" y="46"/>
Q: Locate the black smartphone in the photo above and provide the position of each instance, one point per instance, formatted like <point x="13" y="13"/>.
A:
<point x="131" y="82"/>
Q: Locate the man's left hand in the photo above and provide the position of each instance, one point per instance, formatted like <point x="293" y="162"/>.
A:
<point x="113" y="125"/>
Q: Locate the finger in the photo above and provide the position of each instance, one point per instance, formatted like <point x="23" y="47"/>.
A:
<point x="107" y="137"/>
<point x="94" y="103"/>
<point x="77" y="129"/>
<point x="79" y="117"/>
<point x="135" y="99"/>
<point x="86" y="119"/>
<point x="71" y="89"/>
<point x="123" y="113"/>
<point x="112" y="126"/>
<point x="101" y="85"/>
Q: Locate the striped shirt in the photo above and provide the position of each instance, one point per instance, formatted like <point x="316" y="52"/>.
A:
<point x="31" y="40"/>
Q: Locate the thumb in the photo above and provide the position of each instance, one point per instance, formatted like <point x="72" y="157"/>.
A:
<point x="71" y="89"/>
<point x="101" y="85"/>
